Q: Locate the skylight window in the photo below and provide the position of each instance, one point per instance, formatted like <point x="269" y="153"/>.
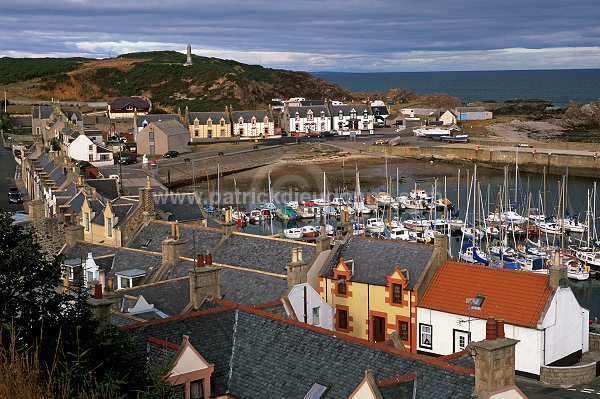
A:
<point x="317" y="391"/>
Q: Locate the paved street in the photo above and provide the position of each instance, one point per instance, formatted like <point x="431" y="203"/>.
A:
<point x="7" y="179"/>
<point x="534" y="390"/>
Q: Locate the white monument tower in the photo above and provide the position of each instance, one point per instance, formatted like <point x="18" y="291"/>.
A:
<point x="189" y="55"/>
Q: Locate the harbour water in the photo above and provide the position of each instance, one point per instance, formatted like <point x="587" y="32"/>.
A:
<point x="581" y="85"/>
<point x="444" y="176"/>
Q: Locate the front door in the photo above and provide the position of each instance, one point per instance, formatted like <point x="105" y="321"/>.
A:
<point x="461" y="340"/>
<point x="378" y="329"/>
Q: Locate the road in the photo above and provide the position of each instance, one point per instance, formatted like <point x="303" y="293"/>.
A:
<point x="7" y="178"/>
<point x="534" y="390"/>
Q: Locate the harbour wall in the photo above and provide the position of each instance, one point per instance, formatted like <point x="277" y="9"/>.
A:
<point x="556" y="161"/>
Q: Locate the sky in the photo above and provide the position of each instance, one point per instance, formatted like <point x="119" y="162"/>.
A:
<point x="323" y="35"/>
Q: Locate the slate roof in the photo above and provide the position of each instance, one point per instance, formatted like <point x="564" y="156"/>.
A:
<point x="119" y="319"/>
<point x="311" y="103"/>
<point x="122" y="102"/>
<point x="46" y="111"/>
<point x="204" y="116"/>
<point x="257" y="355"/>
<point x="171" y="127"/>
<point x="316" y="109"/>
<point x="259" y="114"/>
<point x="107" y="188"/>
<point x="199" y="240"/>
<point x="124" y="258"/>
<point x="156" y="118"/>
<point x="75" y="203"/>
<point x="360" y="109"/>
<point x="260" y="253"/>
<point x="375" y="260"/>
<point x="380" y="110"/>
<point x="170" y="297"/>
<point x="181" y="206"/>
<point x="518" y="298"/>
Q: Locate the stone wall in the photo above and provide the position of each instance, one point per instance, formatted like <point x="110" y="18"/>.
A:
<point x="565" y="377"/>
<point x="594" y="342"/>
<point x="49" y="233"/>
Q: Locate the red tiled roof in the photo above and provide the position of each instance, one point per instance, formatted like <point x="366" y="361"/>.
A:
<point x="516" y="297"/>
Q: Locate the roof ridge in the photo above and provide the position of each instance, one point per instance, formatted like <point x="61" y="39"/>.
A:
<point x="386" y="382"/>
<point x="163" y="342"/>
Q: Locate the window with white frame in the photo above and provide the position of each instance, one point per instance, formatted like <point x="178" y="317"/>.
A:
<point x="109" y="227"/>
<point x="297" y="116"/>
<point x="352" y="113"/>
<point x="253" y="120"/>
<point x="309" y="115"/>
<point x="316" y="316"/>
<point x="241" y="121"/>
<point x="425" y="336"/>
<point x="209" y="123"/>
<point x="196" y="123"/>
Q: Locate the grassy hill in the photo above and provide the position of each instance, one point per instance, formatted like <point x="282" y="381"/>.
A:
<point x="209" y="84"/>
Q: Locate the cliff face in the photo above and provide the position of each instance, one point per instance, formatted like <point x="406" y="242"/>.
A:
<point x="208" y="84"/>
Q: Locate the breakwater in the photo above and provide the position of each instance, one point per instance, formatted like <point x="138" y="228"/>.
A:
<point x="583" y="163"/>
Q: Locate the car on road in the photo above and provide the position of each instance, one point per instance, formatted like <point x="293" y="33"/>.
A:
<point x="128" y="160"/>
<point x="381" y="142"/>
<point x="14" y="196"/>
<point x="171" y="154"/>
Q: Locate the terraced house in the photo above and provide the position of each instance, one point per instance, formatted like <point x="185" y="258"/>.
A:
<point x="251" y="124"/>
<point x="208" y="125"/>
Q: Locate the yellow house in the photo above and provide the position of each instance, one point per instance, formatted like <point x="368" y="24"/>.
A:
<point x="374" y="285"/>
<point x="209" y="125"/>
<point x="102" y="222"/>
<point x="448" y="118"/>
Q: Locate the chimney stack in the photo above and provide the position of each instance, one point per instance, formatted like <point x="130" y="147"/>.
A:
<point x="494" y="360"/>
<point x="558" y="271"/>
<point x="204" y="282"/>
<point x="323" y="242"/>
<point x="146" y="197"/>
<point x="200" y="261"/>
<point x="297" y="269"/>
<point x="174" y="247"/>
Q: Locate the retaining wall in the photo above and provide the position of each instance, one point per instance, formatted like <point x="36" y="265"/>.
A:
<point x="530" y="160"/>
<point x="565" y="377"/>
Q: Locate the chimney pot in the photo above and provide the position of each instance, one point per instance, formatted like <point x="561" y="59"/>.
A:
<point x="299" y="254"/>
<point x="491" y="332"/>
<point x="98" y="291"/>
<point x="200" y="261"/>
<point x="208" y="259"/>
<point x="500" y="328"/>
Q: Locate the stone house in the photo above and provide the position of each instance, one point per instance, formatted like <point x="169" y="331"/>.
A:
<point x="159" y="137"/>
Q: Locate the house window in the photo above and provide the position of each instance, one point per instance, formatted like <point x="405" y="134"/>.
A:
<point x="253" y="120"/>
<point x="104" y="157"/>
<point x="266" y="119"/>
<point x="365" y="124"/>
<point x="222" y="132"/>
<point x="341" y="285"/>
<point x="209" y="123"/>
<point x="353" y="114"/>
<point x="124" y="282"/>
<point x="266" y="131"/>
<point x="91" y="147"/>
<point x="403" y="330"/>
<point x="196" y="133"/>
<point x="396" y="293"/>
<point x="316" y="316"/>
<point x="297" y="116"/>
<point x="222" y="122"/>
<point x="197" y="389"/>
<point x="241" y="132"/>
<point x="196" y="123"/>
<point x="91" y="157"/>
<point x="151" y="135"/>
<point x="209" y="133"/>
<point x="90" y="276"/>
<point x="322" y="114"/>
<point x="322" y="126"/>
<point x="297" y="127"/>
<point x="253" y="130"/>
<point x="365" y="114"/>
<point x="342" y="319"/>
<point x="425" y="336"/>
<point x="309" y="116"/>
<point x="129" y="108"/>
<point x="152" y="153"/>
<point x="109" y="227"/>
<point x="86" y="221"/>
<point x="241" y="121"/>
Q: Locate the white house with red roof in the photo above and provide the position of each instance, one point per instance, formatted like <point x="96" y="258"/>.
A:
<point x="539" y="310"/>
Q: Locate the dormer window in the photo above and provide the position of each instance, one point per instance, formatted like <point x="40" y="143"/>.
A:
<point x="266" y="119"/>
<point x="241" y="121"/>
<point x="322" y="114"/>
<point x="209" y="123"/>
<point x="253" y="120"/>
<point x="222" y="122"/>
<point x="129" y="108"/>
<point x="365" y="114"/>
<point x="196" y="123"/>
<point x="297" y="117"/>
<point x="341" y="285"/>
<point x="309" y="115"/>
<point x="352" y="113"/>
<point x="129" y="278"/>
<point x="109" y="227"/>
<point x="341" y="114"/>
<point x="86" y="221"/>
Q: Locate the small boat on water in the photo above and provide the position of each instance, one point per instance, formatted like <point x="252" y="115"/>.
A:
<point x="471" y="254"/>
<point x="294" y="233"/>
<point x="375" y="225"/>
<point x="310" y="231"/>
<point x="255" y="216"/>
<point x="457" y="138"/>
<point x="577" y="270"/>
<point x="403" y="234"/>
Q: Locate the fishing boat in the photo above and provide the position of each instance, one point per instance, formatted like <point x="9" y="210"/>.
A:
<point x="375" y="225"/>
<point x="433" y="133"/>
<point x="310" y="231"/>
<point x="532" y="263"/>
<point x="458" y="138"/>
<point x="294" y="233"/>
<point x="338" y="201"/>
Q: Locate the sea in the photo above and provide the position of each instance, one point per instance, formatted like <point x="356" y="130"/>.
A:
<point x="556" y="86"/>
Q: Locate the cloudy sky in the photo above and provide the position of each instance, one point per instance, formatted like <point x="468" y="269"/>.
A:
<point x="332" y="35"/>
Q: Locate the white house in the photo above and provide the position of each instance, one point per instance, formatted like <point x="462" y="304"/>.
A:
<point x="318" y="312"/>
<point x="253" y="124"/>
<point x="539" y="310"/>
<point x="448" y="118"/>
<point x="352" y="117"/>
<point x="309" y="119"/>
<point x="85" y="270"/>
<point x="84" y="149"/>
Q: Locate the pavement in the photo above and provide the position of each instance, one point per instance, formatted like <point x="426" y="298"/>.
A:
<point x="535" y="390"/>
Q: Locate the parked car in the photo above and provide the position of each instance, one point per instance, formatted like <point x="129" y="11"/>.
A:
<point x="14" y="196"/>
<point x="128" y="160"/>
<point x="171" y="154"/>
<point x="381" y="142"/>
